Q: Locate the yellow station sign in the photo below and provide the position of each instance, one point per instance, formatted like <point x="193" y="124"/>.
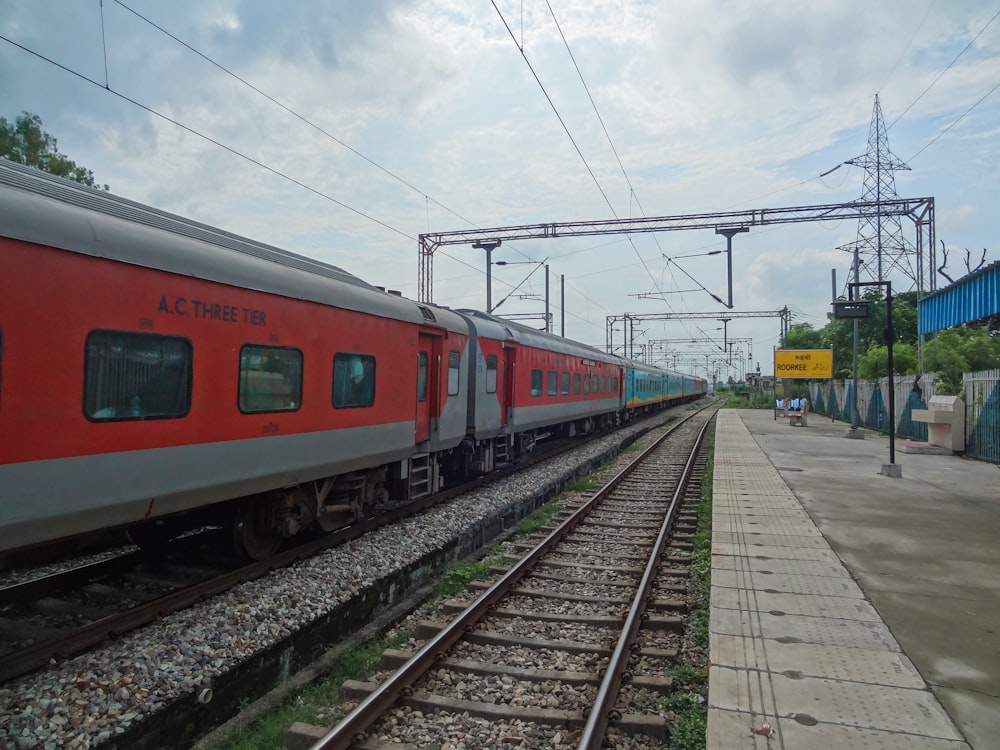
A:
<point x="803" y="363"/>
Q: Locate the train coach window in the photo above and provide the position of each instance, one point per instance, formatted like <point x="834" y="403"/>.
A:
<point x="270" y="379"/>
<point x="422" y="376"/>
<point x="454" y="362"/>
<point x="136" y="376"/>
<point x="604" y="384"/>
<point x="586" y="383"/>
<point x="553" y="382"/>
<point x="491" y="373"/>
<point x="536" y="382"/>
<point x="576" y="384"/>
<point x="565" y="384"/>
<point x="353" y="380"/>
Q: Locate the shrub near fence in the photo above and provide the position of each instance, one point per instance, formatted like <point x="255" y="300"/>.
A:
<point x="833" y="398"/>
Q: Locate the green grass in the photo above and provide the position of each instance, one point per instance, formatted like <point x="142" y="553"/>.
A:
<point x="688" y="676"/>
<point x="584" y="484"/>
<point x="454" y="580"/>
<point x="742" y="401"/>
<point x="689" y="730"/>
<point x="688" y="700"/>
<point x="699" y="627"/>
<point x="311" y="704"/>
<point x="539" y="519"/>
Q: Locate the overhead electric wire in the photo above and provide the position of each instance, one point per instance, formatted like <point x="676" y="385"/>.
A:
<point x="909" y="44"/>
<point x="953" y="124"/>
<point x="614" y="150"/>
<point x="569" y="135"/>
<point x="223" y="146"/>
<point x="388" y="172"/>
<point x="931" y="84"/>
<point x="555" y="109"/>
<point x="562" y="122"/>
<point x="211" y="140"/>
<point x="911" y="105"/>
<point x="293" y="113"/>
<point x="594" y="105"/>
<point x="307" y="121"/>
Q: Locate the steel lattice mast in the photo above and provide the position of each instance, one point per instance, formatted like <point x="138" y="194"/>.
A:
<point x="883" y="249"/>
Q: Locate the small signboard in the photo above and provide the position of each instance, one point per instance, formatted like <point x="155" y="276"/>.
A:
<point x="851" y="310"/>
<point x="803" y="363"/>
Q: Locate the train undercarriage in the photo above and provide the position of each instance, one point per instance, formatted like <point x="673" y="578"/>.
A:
<point x="258" y="525"/>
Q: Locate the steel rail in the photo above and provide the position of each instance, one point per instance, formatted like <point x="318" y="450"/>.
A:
<point x="602" y="712"/>
<point x="34" y="588"/>
<point x="353" y="726"/>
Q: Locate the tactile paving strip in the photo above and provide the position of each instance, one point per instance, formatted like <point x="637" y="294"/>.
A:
<point x="840" y="607"/>
<point x="794" y="643"/>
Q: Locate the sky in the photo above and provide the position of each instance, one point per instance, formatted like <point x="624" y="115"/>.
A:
<point x="341" y="130"/>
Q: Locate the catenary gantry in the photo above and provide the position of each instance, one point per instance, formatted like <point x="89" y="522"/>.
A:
<point x="919" y="210"/>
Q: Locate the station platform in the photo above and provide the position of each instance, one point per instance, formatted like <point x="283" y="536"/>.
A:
<point x="850" y="609"/>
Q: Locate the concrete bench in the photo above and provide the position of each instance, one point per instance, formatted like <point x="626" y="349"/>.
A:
<point x="798" y="417"/>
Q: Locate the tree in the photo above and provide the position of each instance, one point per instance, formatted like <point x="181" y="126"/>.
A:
<point x="980" y="349"/>
<point x="25" y="142"/>
<point x="871" y="330"/>
<point x="874" y="363"/>
<point x="943" y="355"/>
<point x="968" y="262"/>
<point x="804" y="336"/>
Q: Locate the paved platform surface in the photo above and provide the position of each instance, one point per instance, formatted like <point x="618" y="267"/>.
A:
<point x="850" y="609"/>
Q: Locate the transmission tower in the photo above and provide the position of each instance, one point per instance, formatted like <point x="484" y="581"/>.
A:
<point x="882" y="248"/>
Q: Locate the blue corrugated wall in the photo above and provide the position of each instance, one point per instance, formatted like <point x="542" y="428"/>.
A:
<point x="971" y="298"/>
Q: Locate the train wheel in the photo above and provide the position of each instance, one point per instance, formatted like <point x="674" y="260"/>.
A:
<point x="254" y="533"/>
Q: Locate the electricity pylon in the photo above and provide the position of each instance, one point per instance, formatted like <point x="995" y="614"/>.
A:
<point x="882" y="247"/>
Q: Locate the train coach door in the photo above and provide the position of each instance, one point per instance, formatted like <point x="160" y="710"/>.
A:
<point x="507" y="384"/>
<point x="426" y="380"/>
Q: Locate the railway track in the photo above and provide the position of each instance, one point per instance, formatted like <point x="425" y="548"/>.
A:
<point x="570" y="646"/>
<point x="57" y="616"/>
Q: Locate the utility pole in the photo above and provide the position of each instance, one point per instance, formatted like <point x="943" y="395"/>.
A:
<point x="728" y="232"/>
<point x="562" y="305"/>
<point x="489" y="246"/>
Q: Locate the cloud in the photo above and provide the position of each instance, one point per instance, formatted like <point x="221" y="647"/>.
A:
<point x="711" y="106"/>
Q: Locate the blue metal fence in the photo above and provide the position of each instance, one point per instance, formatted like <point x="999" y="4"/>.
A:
<point x="982" y="400"/>
<point x="834" y="398"/>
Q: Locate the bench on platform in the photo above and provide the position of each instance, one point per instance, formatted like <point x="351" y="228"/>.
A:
<point x="798" y="416"/>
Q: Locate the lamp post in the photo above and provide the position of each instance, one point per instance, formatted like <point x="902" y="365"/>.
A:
<point x="489" y="246"/>
<point x="728" y="233"/>
<point x="892" y="469"/>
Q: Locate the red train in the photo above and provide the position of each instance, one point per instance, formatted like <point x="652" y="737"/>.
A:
<point x="151" y="367"/>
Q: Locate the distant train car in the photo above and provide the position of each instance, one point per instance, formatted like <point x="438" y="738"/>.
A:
<point x="648" y="388"/>
<point x="530" y="384"/>
<point x="156" y="372"/>
<point x="645" y="388"/>
<point x="692" y="387"/>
